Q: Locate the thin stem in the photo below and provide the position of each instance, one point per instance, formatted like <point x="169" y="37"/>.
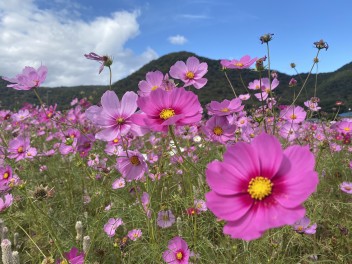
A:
<point x="110" y="78"/>
<point x="233" y="89"/>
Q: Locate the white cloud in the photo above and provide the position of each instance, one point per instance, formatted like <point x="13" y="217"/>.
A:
<point x="177" y="40"/>
<point x="30" y="36"/>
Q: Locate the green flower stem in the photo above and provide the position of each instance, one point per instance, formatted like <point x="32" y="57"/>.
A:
<point x="233" y="89"/>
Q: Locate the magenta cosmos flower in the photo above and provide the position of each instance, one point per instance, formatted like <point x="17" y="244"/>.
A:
<point x="30" y="78"/>
<point x="218" y="129"/>
<point x="114" y="116"/>
<point x="103" y="60"/>
<point x="177" y="252"/>
<point x="259" y="186"/>
<point x="191" y="72"/>
<point x="244" y="63"/>
<point x="163" y="108"/>
<point x="263" y="86"/>
<point x="73" y="257"/>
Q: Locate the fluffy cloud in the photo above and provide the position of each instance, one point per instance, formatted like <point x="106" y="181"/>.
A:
<point x="30" y="36"/>
<point x="177" y="40"/>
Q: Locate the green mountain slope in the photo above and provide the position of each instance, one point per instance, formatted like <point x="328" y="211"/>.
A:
<point x="330" y="86"/>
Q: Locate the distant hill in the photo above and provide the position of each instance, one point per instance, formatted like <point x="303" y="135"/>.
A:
<point x="330" y="86"/>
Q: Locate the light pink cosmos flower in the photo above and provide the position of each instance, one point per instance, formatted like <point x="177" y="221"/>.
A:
<point x="313" y="106"/>
<point x="162" y="109"/>
<point x="132" y="166"/>
<point x="114" y="116"/>
<point x="302" y="226"/>
<point x="346" y="187"/>
<point x="111" y="226"/>
<point x="19" y="148"/>
<point x="103" y="60"/>
<point x="153" y="81"/>
<point x="226" y="107"/>
<point x="191" y="72"/>
<point x="134" y="234"/>
<point x="244" y="97"/>
<point x="119" y="183"/>
<point x="165" y="219"/>
<point x="264" y="88"/>
<point x="7" y="178"/>
<point x="344" y="127"/>
<point x="200" y="205"/>
<point x="177" y="252"/>
<point x="29" y="79"/>
<point x="293" y="114"/>
<point x="218" y="129"/>
<point x="259" y="186"/>
<point x="6" y="202"/>
<point x="244" y="63"/>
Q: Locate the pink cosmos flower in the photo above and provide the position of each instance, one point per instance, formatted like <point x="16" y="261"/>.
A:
<point x="111" y="226"/>
<point x="244" y="63"/>
<point x="134" y="234"/>
<point x="118" y="183"/>
<point x="6" y="201"/>
<point x="7" y="178"/>
<point x="344" y="127"/>
<point x="244" y="97"/>
<point x="177" y="252"/>
<point x="73" y="257"/>
<point x="302" y="226"/>
<point x="225" y="107"/>
<point x="264" y="88"/>
<point x="165" y="219"/>
<point x="259" y="186"/>
<point x="346" y="187"/>
<point x="162" y="108"/>
<point x="200" y="205"/>
<point x="132" y="166"/>
<point x="103" y="60"/>
<point x="293" y="114"/>
<point x="29" y="79"/>
<point x="313" y="106"/>
<point x="153" y="81"/>
<point x="191" y="72"/>
<point x="114" y="116"/>
<point x="218" y="129"/>
<point x="19" y="148"/>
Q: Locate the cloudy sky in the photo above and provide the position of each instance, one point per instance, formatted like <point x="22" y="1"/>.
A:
<point x="57" y="33"/>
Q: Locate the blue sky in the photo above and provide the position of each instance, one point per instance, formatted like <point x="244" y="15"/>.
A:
<point x="135" y="32"/>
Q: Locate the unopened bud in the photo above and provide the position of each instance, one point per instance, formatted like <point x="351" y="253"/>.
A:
<point x="179" y="226"/>
<point x="79" y="230"/>
<point x="293" y="65"/>
<point x="86" y="244"/>
<point x="6" y="251"/>
<point x="266" y="38"/>
<point x="316" y="60"/>
<point x="4" y="233"/>
<point x="15" y="239"/>
<point x="15" y="258"/>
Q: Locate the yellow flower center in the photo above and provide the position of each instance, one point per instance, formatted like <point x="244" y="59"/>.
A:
<point x="166" y="217"/>
<point x="116" y="140"/>
<point x="49" y="115"/>
<point x="135" y="160"/>
<point x="293" y="116"/>
<point x="239" y="64"/>
<point x="120" y="120"/>
<point x="155" y="87"/>
<point x="260" y="187"/>
<point x="257" y="87"/>
<point x="20" y="150"/>
<point x="218" y="131"/>
<point x="347" y="188"/>
<point x="167" y="113"/>
<point x="190" y="75"/>
<point x="267" y="90"/>
<point x="347" y="129"/>
<point x="6" y="175"/>
<point x="225" y="110"/>
<point x="300" y="228"/>
<point x="64" y="262"/>
<point x="179" y="255"/>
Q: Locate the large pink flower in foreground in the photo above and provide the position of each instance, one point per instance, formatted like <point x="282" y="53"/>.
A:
<point x="114" y="116"/>
<point x="260" y="186"/>
<point x="191" y="72"/>
<point x="163" y="108"/>
<point x="30" y="78"/>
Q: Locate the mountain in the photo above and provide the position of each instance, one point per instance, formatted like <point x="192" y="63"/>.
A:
<point x="330" y="86"/>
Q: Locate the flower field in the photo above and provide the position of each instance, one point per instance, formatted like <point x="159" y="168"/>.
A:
<point x="156" y="177"/>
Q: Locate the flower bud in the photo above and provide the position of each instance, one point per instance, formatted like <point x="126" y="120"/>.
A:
<point x="79" y="230"/>
<point x="4" y="233"/>
<point x="15" y="258"/>
<point x="266" y="38"/>
<point x="293" y="65"/>
<point x="321" y="45"/>
<point x="6" y="251"/>
<point x="86" y="244"/>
